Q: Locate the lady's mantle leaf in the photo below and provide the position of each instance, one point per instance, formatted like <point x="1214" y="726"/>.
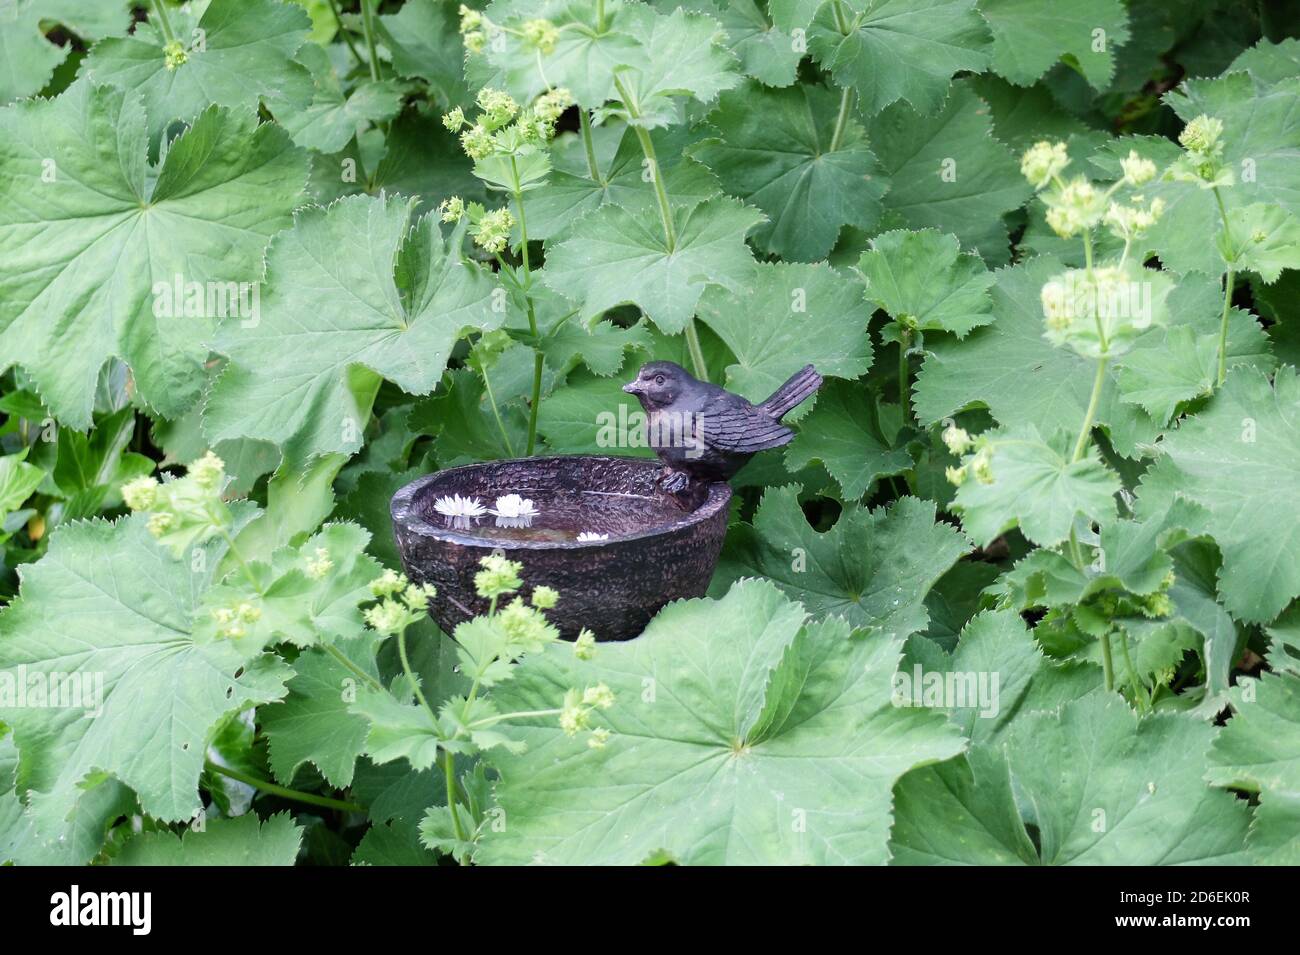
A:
<point x="1259" y="749"/>
<point x="1021" y="377"/>
<point x="107" y="604"/>
<point x="1100" y="785"/>
<point x="740" y="735"/>
<point x="27" y="58"/>
<point x="313" y="724"/>
<point x="241" y="841"/>
<point x="947" y="172"/>
<point x="900" y="49"/>
<point x="1029" y="36"/>
<point x="774" y="149"/>
<point x="846" y="433"/>
<point x="872" y="567"/>
<point x="766" y="53"/>
<point x="93" y="243"/>
<point x="924" y="281"/>
<point x="334" y="117"/>
<point x="355" y="286"/>
<point x="247" y="57"/>
<point x="1037" y="487"/>
<point x="612" y="257"/>
<point x="1238" y="459"/>
<point x="787" y="316"/>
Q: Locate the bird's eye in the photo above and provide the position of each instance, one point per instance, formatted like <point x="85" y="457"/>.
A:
<point x="659" y="379"/>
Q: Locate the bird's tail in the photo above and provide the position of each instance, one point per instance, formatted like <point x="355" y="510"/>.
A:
<point x="802" y="385"/>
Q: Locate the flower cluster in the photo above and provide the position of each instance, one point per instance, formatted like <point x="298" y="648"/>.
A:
<point x="174" y="55"/>
<point x="499" y="577"/>
<point x="1077" y="206"/>
<point x="578" y="709"/>
<point x="1101" y="311"/>
<point x="477" y="30"/>
<point x="183" y="511"/>
<point x="1202" y="158"/>
<point x="959" y="442"/>
<point x="401" y="602"/>
<point x="232" y="621"/>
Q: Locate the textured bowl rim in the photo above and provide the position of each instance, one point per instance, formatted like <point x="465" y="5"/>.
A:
<point x="404" y="516"/>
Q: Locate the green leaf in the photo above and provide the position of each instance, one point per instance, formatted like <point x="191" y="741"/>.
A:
<point x="246" y="58"/>
<point x="584" y="60"/>
<point x="1013" y="370"/>
<point x="1099" y="785"/>
<point x="899" y="49"/>
<point x="358" y="287"/>
<point x="85" y="252"/>
<point x="947" y="172"/>
<point x="222" y="842"/>
<point x="591" y="415"/>
<point x="313" y="724"/>
<point x="28" y="59"/>
<point x="776" y="149"/>
<point x="683" y="59"/>
<point x="1235" y="459"/>
<point x="740" y="735"/>
<point x="424" y="42"/>
<point x="786" y="317"/>
<point x="612" y="257"/>
<point x="396" y="730"/>
<point x="845" y="432"/>
<point x="874" y="567"/>
<point x="1259" y="750"/>
<point x="466" y="428"/>
<point x="18" y="480"/>
<point x="1029" y="36"/>
<point x="395" y="843"/>
<point x="1272" y="838"/>
<point x="108" y="605"/>
<point x="767" y="53"/>
<point x="334" y="117"/>
<point x="924" y="281"/>
<point x="1261" y="239"/>
<point x="1036" y="486"/>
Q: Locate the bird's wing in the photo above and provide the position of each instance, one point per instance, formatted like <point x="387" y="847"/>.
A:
<point x="729" y="423"/>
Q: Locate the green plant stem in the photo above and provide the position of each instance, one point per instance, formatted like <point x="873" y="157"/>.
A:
<point x="1107" y="667"/>
<point x="837" y="10"/>
<point x="584" y="122"/>
<point x="904" y="397"/>
<point x="343" y="32"/>
<point x="239" y="559"/>
<point x="283" y="792"/>
<point x="496" y="412"/>
<point x="1223" y="325"/>
<point x="842" y="120"/>
<point x="518" y="715"/>
<point x="368" y="28"/>
<point x="539" y="360"/>
<point x="347" y="664"/>
<point x="410" y="675"/>
<point x="449" y="778"/>
<point x="600" y="16"/>
<point x="1139" y="688"/>
<point x="1076" y="555"/>
<point x="164" y="24"/>
<point x="700" y="368"/>
<point x="1085" y="432"/>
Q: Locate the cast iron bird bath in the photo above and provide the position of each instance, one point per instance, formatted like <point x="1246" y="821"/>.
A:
<point x="654" y="550"/>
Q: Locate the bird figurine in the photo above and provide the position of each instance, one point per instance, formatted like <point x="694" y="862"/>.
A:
<point x="703" y="433"/>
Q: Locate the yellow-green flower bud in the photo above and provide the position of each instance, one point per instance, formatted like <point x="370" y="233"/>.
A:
<point x="1137" y="170"/>
<point x="140" y="494"/>
<point x="544" y="598"/>
<point x="1043" y="162"/>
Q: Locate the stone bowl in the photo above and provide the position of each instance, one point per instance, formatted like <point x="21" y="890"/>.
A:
<point x="656" y="550"/>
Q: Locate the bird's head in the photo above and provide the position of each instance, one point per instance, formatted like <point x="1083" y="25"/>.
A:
<point x="658" y="383"/>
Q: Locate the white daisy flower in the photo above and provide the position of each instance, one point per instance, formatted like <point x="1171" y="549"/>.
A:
<point x="589" y="536"/>
<point x="459" y="511"/>
<point x="514" y="511"/>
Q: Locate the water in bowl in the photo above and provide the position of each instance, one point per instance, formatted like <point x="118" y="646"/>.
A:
<point x="564" y="515"/>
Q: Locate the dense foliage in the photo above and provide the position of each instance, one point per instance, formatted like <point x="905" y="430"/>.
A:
<point x="1023" y="589"/>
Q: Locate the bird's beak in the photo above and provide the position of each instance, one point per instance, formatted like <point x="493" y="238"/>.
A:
<point x="631" y="388"/>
